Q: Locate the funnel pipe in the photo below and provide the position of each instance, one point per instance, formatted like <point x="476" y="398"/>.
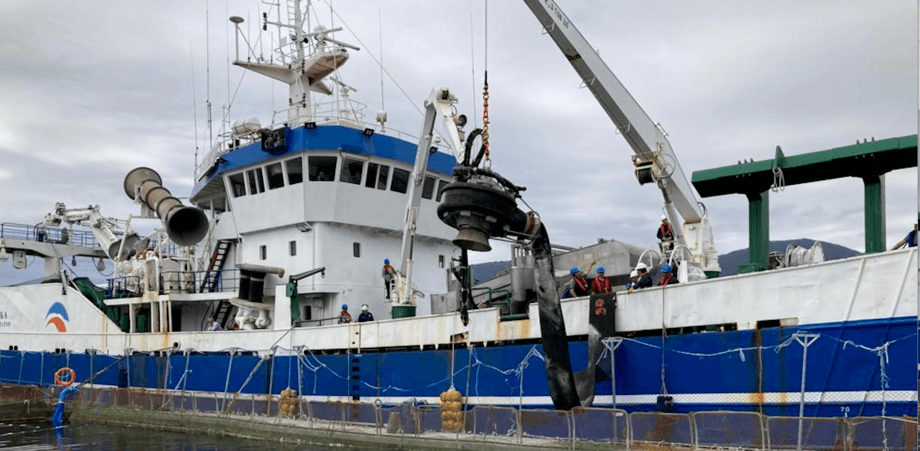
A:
<point x="185" y="225"/>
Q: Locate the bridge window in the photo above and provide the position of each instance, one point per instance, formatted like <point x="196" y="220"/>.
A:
<point x="371" y="175"/>
<point x="275" y="176"/>
<point x="351" y="171"/>
<point x="428" y="187"/>
<point x="294" y="170"/>
<point x="237" y="185"/>
<point x="322" y="169"/>
<point x="383" y="176"/>
<point x="256" y="182"/>
<point x="400" y="180"/>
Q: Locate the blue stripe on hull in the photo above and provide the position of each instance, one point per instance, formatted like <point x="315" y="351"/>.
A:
<point x="703" y="371"/>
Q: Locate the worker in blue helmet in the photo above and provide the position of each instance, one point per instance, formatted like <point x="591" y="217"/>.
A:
<point x="389" y="276"/>
<point x="667" y="275"/>
<point x="567" y="288"/>
<point x="601" y="284"/>
<point x="579" y="285"/>
<point x="344" y="316"/>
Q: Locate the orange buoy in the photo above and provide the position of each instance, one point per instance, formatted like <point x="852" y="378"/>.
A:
<point x="60" y="380"/>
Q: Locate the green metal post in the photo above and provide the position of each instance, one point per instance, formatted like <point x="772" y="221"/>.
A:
<point x="758" y="233"/>
<point x="875" y="213"/>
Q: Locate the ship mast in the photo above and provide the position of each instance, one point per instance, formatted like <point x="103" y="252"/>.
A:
<point x="301" y="70"/>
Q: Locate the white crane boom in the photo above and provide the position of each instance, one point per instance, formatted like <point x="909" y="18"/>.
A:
<point x="106" y="231"/>
<point x="654" y="160"/>
<point x="437" y="106"/>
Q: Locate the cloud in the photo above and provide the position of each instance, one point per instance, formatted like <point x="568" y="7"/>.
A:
<point x="91" y="92"/>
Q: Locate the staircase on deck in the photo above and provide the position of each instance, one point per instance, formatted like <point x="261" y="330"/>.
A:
<point x="211" y="280"/>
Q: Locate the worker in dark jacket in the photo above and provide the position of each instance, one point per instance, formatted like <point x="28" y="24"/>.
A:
<point x="645" y="281"/>
<point x="633" y="278"/>
<point x="910" y="240"/>
<point x="365" y="315"/>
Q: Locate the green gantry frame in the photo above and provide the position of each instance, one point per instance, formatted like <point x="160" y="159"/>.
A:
<point x="869" y="161"/>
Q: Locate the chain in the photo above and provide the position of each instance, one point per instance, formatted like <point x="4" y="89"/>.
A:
<point x="485" y="116"/>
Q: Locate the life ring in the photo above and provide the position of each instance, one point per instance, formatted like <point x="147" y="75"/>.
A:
<point x="59" y="380"/>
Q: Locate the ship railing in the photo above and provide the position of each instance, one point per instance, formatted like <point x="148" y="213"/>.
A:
<point x="176" y="282"/>
<point x="200" y="281"/>
<point x="55" y="235"/>
<point x="579" y="428"/>
<point x="169" y="249"/>
<point x="495" y="297"/>
<point x="324" y="113"/>
<point x="321" y="321"/>
<point x="333" y="113"/>
<point x="123" y="287"/>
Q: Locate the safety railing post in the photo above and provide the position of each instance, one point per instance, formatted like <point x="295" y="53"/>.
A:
<point x="694" y="433"/>
<point x="612" y="344"/>
<point x="629" y="432"/>
<point x="520" y="424"/>
<point x="570" y="416"/>
<point x="805" y="339"/>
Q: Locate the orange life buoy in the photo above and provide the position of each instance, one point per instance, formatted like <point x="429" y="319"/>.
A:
<point x="59" y="380"/>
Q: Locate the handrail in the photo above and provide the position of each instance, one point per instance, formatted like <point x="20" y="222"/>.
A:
<point x="221" y="146"/>
<point x="319" y="321"/>
<point x="47" y="234"/>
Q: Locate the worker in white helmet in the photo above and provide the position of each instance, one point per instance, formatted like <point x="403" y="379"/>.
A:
<point x="645" y="281"/>
<point x="665" y="235"/>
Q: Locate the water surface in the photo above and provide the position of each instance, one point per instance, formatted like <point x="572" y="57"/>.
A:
<point x="118" y="438"/>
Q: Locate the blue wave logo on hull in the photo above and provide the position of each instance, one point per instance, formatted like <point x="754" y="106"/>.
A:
<point x="57" y="315"/>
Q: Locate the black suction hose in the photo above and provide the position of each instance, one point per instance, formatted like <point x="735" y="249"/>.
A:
<point x="469" y="148"/>
<point x="552" y="327"/>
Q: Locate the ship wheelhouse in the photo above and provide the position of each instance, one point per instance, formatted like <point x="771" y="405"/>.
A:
<point x="332" y="196"/>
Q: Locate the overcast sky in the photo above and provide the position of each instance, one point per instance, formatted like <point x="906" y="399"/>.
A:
<point x="91" y="90"/>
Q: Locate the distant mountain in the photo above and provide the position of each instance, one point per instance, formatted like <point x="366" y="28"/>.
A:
<point x="488" y="271"/>
<point x="730" y="261"/>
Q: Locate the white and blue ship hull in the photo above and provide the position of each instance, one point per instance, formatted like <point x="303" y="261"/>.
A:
<point x="863" y="368"/>
<point x="734" y="343"/>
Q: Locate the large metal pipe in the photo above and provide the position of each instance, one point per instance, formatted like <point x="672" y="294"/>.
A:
<point x="485" y="206"/>
<point x="185" y="226"/>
